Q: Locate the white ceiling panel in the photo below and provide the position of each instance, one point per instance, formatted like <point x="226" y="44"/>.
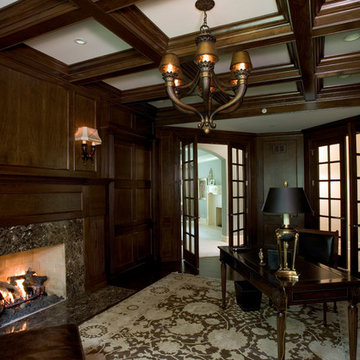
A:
<point x="4" y="3"/>
<point x="60" y="44"/>
<point x="336" y="45"/>
<point x="181" y="17"/>
<point x="342" y="80"/>
<point x="279" y="88"/>
<point x="287" y="122"/>
<point x="134" y="81"/>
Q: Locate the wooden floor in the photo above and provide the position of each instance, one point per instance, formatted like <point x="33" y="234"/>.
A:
<point x="144" y="276"/>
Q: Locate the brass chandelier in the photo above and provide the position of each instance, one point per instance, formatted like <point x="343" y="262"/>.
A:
<point x="205" y="81"/>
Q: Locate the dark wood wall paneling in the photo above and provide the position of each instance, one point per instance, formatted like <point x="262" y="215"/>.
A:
<point x="279" y="158"/>
<point x="131" y="193"/>
<point x="168" y="196"/>
<point x="42" y="175"/>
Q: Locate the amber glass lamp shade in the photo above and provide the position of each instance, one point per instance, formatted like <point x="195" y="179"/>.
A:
<point x="206" y="51"/>
<point x="169" y="63"/>
<point x="240" y="61"/>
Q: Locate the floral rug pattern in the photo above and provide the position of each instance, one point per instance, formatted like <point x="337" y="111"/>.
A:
<point x="180" y="317"/>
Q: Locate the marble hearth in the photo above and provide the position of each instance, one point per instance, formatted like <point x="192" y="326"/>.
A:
<point x="57" y="243"/>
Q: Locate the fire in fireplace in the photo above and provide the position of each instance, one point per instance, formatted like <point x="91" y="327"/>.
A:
<point x="21" y="289"/>
<point x="23" y="295"/>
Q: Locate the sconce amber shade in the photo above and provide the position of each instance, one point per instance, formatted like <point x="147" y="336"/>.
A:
<point x="85" y="133"/>
<point x="240" y="61"/>
<point x="169" y="63"/>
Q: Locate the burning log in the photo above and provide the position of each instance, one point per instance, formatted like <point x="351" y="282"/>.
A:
<point x="31" y="281"/>
<point x="9" y="288"/>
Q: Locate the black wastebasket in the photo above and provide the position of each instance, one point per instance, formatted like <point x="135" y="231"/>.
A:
<point x="248" y="297"/>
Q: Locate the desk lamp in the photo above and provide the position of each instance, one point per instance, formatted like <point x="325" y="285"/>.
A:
<point x="286" y="200"/>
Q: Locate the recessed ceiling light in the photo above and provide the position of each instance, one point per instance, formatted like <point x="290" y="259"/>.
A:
<point x="352" y="37"/>
<point x="80" y="41"/>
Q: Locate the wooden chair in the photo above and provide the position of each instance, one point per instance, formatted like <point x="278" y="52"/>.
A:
<point x="318" y="246"/>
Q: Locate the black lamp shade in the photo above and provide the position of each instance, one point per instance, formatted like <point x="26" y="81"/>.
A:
<point x="286" y="200"/>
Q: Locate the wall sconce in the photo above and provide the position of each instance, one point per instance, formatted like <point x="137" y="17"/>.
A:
<point x="86" y="134"/>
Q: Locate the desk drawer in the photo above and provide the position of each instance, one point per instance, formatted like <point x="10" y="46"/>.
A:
<point x="319" y="295"/>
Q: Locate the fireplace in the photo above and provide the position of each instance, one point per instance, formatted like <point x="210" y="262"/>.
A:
<point x="46" y="261"/>
<point x="54" y="250"/>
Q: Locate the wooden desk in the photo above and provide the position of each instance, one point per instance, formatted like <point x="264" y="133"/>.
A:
<point x="316" y="284"/>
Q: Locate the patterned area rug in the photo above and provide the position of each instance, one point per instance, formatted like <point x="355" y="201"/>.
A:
<point x="180" y="317"/>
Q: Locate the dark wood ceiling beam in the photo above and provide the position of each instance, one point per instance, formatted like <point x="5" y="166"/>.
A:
<point x="30" y="18"/>
<point x="169" y="118"/>
<point x="301" y="23"/>
<point x="263" y="76"/>
<point x="338" y="65"/>
<point x="257" y="77"/>
<point x="269" y="30"/>
<point x="131" y="26"/>
<point x="149" y="93"/>
<point x="337" y="16"/>
<point x="107" y="66"/>
<point x="36" y="60"/>
<point x="24" y="19"/>
<point x="336" y="12"/>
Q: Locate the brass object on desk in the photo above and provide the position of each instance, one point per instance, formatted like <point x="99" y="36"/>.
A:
<point x="286" y="201"/>
<point x="285" y="236"/>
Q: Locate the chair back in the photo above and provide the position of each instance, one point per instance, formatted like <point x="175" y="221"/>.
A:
<point x="319" y="246"/>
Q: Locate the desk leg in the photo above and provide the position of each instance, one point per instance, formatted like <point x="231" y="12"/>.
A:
<point x="352" y="319"/>
<point x="223" y="284"/>
<point x="281" y="325"/>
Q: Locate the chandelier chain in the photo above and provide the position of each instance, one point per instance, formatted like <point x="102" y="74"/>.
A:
<point x="204" y="27"/>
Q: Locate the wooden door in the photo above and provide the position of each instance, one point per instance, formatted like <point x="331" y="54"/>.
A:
<point x="190" y="219"/>
<point x="237" y="196"/>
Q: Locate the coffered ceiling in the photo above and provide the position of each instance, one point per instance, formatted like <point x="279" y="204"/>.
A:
<point x="304" y="74"/>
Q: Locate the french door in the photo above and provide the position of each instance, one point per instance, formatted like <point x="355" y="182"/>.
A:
<point x="237" y="196"/>
<point x="329" y="188"/>
<point x="190" y="210"/>
<point x="354" y="198"/>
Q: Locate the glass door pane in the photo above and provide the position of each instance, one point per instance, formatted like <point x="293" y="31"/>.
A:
<point x="237" y="193"/>
<point x="331" y="193"/>
<point x="190" y="230"/>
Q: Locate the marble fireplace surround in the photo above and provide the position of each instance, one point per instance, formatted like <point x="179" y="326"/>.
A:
<point x="20" y="238"/>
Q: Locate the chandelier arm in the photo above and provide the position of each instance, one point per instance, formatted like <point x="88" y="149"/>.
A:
<point x="179" y="104"/>
<point x="239" y="94"/>
<point x="183" y="110"/>
<point x="232" y="108"/>
<point x="223" y="88"/>
<point x="191" y="85"/>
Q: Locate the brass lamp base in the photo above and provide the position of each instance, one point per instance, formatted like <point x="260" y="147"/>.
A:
<point x="287" y="274"/>
<point x="284" y="236"/>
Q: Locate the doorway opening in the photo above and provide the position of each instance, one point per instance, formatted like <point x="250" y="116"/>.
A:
<point x="213" y="195"/>
<point x="212" y="198"/>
